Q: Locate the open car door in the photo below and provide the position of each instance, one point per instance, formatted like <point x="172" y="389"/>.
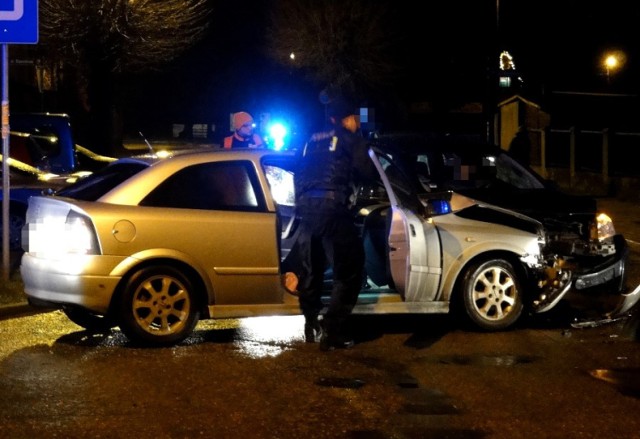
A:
<point x="414" y="244"/>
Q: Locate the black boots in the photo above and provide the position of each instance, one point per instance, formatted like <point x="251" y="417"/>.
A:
<point x="315" y="332"/>
<point x="334" y="334"/>
<point x="312" y="330"/>
<point x="329" y="343"/>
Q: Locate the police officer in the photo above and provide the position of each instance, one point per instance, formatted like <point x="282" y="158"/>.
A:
<point x="332" y="166"/>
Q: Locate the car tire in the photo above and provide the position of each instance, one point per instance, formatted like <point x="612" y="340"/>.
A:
<point x="88" y="320"/>
<point x="492" y="294"/>
<point x="158" y="307"/>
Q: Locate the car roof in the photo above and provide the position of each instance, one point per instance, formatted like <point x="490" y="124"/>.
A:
<point x="202" y="154"/>
<point x="166" y="162"/>
<point x="160" y="166"/>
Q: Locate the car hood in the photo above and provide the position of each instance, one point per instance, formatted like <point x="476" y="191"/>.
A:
<point x="541" y="204"/>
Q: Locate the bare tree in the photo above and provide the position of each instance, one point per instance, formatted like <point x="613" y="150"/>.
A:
<point x="101" y="40"/>
<point x="341" y="45"/>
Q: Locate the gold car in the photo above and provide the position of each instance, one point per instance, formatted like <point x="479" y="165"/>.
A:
<point x="153" y="245"/>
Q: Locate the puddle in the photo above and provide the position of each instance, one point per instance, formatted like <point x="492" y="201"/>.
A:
<point x="407" y="382"/>
<point x="444" y="433"/>
<point x="627" y="381"/>
<point x="343" y="383"/>
<point x="431" y="408"/>
<point x="428" y="402"/>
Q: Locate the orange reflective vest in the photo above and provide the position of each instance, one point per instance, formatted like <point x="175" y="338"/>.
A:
<point x="235" y="141"/>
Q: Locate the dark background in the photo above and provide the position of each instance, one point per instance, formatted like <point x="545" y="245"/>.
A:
<point x="446" y="52"/>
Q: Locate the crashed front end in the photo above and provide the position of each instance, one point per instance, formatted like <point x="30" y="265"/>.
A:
<point x="584" y="263"/>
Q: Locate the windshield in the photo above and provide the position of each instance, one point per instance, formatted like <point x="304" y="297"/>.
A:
<point x="437" y="164"/>
<point x="483" y="170"/>
<point x="509" y="171"/>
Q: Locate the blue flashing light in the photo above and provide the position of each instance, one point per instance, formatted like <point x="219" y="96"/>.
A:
<point x="439" y="207"/>
<point x="277" y="133"/>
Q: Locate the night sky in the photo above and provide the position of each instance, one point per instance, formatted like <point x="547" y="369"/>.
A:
<point x="448" y="48"/>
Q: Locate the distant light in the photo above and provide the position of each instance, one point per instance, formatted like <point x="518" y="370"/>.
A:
<point x="611" y="61"/>
<point x="506" y="61"/>
<point x="292" y="56"/>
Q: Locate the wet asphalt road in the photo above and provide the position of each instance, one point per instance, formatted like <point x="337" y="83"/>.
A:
<point x="409" y="377"/>
<point x="256" y="378"/>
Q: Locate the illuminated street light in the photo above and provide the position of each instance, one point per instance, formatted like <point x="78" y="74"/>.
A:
<point x="610" y="63"/>
<point x="613" y="61"/>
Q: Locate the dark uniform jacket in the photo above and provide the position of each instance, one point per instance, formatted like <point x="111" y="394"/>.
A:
<point x="332" y="166"/>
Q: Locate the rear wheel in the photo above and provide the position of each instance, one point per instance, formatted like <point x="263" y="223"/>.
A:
<point x="158" y="307"/>
<point x="492" y="294"/>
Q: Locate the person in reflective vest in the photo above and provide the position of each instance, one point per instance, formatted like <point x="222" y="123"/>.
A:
<point x="243" y="133"/>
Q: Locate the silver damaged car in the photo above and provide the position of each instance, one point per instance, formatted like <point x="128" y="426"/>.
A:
<point x="152" y="245"/>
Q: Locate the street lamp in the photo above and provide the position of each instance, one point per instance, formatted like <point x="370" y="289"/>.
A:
<point x="613" y="61"/>
<point x="610" y="63"/>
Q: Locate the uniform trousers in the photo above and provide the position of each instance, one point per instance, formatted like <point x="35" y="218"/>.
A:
<point x="329" y="239"/>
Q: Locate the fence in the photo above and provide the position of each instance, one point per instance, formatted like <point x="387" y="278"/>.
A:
<point x="596" y="161"/>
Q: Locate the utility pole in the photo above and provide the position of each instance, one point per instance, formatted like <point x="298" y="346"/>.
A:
<point x="17" y="26"/>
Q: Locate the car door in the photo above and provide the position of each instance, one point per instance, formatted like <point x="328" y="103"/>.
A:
<point x="219" y="217"/>
<point x="414" y="245"/>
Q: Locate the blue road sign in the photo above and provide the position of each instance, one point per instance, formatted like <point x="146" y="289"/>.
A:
<point x="19" y="21"/>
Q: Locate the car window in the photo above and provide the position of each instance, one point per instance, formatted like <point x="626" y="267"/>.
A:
<point x="95" y="185"/>
<point x="401" y="183"/>
<point x="512" y="172"/>
<point x="467" y="171"/>
<point x="25" y="149"/>
<point x="282" y="185"/>
<point x="41" y="140"/>
<point x="458" y="163"/>
<point x="482" y="170"/>
<point x="210" y="186"/>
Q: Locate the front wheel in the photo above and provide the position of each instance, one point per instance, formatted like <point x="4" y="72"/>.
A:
<point x="158" y="307"/>
<point x="492" y="294"/>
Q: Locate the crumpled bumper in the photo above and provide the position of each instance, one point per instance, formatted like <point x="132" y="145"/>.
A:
<point x="627" y="301"/>
<point x="606" y="284"/>
<point x="602" y="286"/>
<point x="611" y="271"/>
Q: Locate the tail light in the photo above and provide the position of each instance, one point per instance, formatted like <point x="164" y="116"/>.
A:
<point x="80" y="235"/>
<point x="61" y="236"/>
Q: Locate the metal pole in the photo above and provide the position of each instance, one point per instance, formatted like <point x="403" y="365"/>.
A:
<point x="572" y="154"/>
<point x="5" y="165"/>
<point x="605" y="156"/>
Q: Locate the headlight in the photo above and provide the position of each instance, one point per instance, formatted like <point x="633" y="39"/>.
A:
<point x="604" y="227"/>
